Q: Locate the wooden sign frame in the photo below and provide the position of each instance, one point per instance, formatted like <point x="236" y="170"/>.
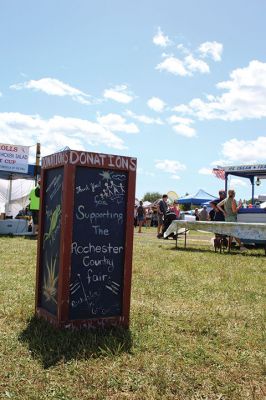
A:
<point x="67" y="163"/>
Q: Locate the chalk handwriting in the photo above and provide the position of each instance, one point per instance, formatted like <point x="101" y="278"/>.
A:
<point x="99" y="231"/>
<point x="96" y="249"/>
<point x="97" y="217"/>
<point x="96" y="277"/>
<point x="87" y="261"/>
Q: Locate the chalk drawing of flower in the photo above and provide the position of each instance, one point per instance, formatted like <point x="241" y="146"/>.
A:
<point x="50" y="280"/>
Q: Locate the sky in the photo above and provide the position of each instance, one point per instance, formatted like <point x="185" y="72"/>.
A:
<point x="180" y="85"/>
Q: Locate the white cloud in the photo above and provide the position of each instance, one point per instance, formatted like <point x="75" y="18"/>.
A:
<point x="185" y="67"/>
<point x="176" y="177"/>
<point x="196" y="65"/>
<point x="156" y="104"/>
<point x="247" y="151"/>
<point x="169" y="166"/>
<point x="212" y="49"/>
<point x="144" y="118"/>
<point x="54" y="87"/>
<point x="188" y="64"/>
<point x="184" y="130"/>
<point x="235" y="182"/>
<point x="174" y="66"/>
<point x="205" y="171"/>
<point x="56" y="133"/>
<point x="180" y="125"/>
<point x="245" y="97"/>
<point x="182" y="48"/>
<point x="116" y="123"/>
<point x="174" y="119"/>
<point x="160" y="39"/>
<point x="119" y="93"/>
<point x="141" y="171"/>
<point x="183" y="109"/>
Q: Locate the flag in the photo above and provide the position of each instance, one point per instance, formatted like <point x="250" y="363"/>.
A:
<point x="219" y="173"/>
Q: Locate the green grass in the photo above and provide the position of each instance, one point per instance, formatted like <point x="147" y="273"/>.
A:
<point x="197" y="329"/>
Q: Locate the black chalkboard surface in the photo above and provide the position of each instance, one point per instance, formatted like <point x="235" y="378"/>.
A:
<point x="52" y="200"/>
<point x="98" y="243"/>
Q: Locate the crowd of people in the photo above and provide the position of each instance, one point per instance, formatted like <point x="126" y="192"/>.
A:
<point x="224" y="208"/>
<point x="155" y="216"/>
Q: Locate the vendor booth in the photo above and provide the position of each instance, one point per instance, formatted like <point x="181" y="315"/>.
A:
<point x="255" y="173"/>
<point x="17" y="177"/>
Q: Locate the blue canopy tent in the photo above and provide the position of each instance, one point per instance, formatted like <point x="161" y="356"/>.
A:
<point x="197" y="199"/>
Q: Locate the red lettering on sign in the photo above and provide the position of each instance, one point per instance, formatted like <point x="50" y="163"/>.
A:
<point x="8" y="147"/>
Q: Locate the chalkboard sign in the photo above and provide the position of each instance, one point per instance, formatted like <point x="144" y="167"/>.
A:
<point x="85" y="243"/>
<point x="98" y="243"/>
<point x="52" y="205"/>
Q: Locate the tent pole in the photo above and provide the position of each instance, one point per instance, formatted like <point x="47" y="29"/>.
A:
<point x="7" y="205"/>
<point x="252" y="189"/>
<point x="37" y="161"/>
<point x="226" y="183"/>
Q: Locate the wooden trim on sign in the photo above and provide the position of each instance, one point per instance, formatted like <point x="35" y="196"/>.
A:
<point x="40" y="241"/>
<point x="66" y="241"/>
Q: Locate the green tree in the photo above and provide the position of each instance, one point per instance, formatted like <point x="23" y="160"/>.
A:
<point x="152" y="196"/>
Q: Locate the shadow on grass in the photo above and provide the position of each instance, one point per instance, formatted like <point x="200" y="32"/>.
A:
<point x="51" y="346"/>
<point x="225" y="253"/>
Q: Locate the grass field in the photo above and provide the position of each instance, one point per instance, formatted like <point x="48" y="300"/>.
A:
<point x="197" y="329"/>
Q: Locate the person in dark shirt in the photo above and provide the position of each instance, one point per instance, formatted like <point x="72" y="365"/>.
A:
<point x="196" y="214"/>
<point x="216" y="214"/>
<point x="140" y="215"/>
<point x="161" y="210"/>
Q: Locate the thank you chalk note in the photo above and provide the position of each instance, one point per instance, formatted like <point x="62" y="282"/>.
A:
<point x="98" y="243"/>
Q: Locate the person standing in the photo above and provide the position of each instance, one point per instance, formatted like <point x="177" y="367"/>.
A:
<point x="204" y="215"/>
<point x="140" y="215"/>
<point x="196" y="214"/>
<point x="175" y="208"/>
<point x="161" y="211"/>
<point x="229" y="208"/>
<point x="216" y="214"/>
<point x="34" y="207"/>
<point x="135" y="216"/>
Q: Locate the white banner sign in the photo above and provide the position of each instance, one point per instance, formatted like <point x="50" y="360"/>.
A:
<point x="246" y="168"/>
<point x="14" y="158"/>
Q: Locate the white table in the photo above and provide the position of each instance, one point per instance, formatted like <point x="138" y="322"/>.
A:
<point x="256" y="232"/>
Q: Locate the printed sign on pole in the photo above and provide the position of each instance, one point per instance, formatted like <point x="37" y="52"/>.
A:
<point x="14" y="158"/>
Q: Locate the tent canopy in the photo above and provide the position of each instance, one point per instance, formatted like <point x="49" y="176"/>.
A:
<point x="198" y="198"/>
<point x="16" y="196"/>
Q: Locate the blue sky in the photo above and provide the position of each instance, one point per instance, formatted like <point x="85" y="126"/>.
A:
<point x="179" y="85"/>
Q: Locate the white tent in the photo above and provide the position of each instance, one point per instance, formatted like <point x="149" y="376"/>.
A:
<point x="19" y="196"/>
<point x="146" y="204"/>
